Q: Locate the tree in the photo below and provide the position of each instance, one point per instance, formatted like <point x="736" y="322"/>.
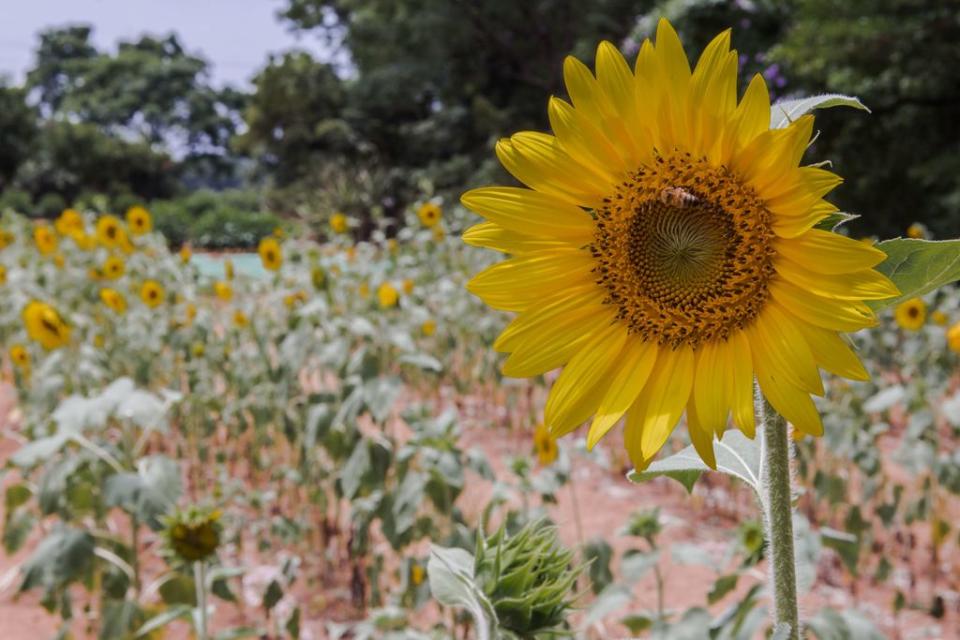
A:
<point x="18" y="132"/>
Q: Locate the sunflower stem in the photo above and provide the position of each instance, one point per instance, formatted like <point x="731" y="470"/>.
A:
<point x="777" y="482"/>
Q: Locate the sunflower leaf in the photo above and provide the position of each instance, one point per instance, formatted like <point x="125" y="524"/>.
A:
<point x="786" y="111"/>
<point x="918" y="267"/>
<point x="835" y="221"/>
<point x="736" y="455"/>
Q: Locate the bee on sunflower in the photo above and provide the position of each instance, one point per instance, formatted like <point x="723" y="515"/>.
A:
<point x="665" y="253"/>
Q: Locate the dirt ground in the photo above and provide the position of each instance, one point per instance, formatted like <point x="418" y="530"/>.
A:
<point x="604" y="500"/>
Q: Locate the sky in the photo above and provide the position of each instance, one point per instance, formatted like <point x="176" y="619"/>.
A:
<point x="234" y="35"/>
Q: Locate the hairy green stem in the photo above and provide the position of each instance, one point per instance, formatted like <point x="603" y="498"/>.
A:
<point x="200" y="583"/>
<point x="779" y="517"/>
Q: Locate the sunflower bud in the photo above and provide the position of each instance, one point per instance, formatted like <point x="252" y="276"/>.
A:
<point x="527" y="578"/>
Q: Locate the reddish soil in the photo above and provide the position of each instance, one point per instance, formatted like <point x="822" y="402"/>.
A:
<point x="707" y="519"/>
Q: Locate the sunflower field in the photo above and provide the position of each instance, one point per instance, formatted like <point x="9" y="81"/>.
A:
<point x="651" y="387"/>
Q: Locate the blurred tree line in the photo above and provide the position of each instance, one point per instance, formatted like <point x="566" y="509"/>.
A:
<point x="431" y="84"/>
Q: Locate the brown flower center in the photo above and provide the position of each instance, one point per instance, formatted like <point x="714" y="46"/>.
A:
<point x="685" y="251"/>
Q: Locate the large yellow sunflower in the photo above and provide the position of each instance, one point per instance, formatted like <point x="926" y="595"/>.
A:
<point x="665" y="253"/>
<point x="45" y="326"/>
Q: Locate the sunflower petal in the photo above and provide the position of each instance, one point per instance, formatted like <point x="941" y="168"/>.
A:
<point x="636" y="363"/>
<point x="530" y="212"/>
<point x="830" y="253"/>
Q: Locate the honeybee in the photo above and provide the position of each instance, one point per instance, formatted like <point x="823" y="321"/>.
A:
<point x="678" y="197"/>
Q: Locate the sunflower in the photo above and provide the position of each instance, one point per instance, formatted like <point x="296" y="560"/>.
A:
<point x="408" y="286"/>
<point x="916" y="231"/>
<point x="911" y="315"/>
<point x="665" y="253"/>
<point x="20" y="356"/>
<point x="84" y="240"/>
<point x="953" y="338"/>
<point x="109" y="231"/>
<point x="151" y="292"/>
<point x="69" y="222"/>
<point x="185" y="254"/>
<point x="139" y="220"/>
<point x="45" y="239"/>
<point x="544" y="445"/>
<point x="228" y="271"/>
<point x="113" y="267"/>
<point x="293" y="299"/>
<point x="270" y="253"/>
<point x="428" y="328"/>
<point x="318" y="277"/>
<point x="240" y="319"/>
<point x="939" y="318"/>
<point x="429" y="214"/>
<point x="223" y="290"/>
<point x="3" y="274"/>
<point x="6" y="238"/>
<point x="387" y="295"/>
<point x="45" y="326"/>
<point x="113" y="299"/>
<point x="339" y="223"/>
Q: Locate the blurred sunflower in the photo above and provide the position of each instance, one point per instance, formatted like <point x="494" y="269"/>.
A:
<point x="429" y="214"/>
<point x="364" y="290"/>
<point x="185" y="254"/>
<point x="429" y="327"/>
<point x="109" y="231"/>
<point x="190" y="312"/>
<point x="151" y="292"/>
<point x="223" y="290"/>
<point x="939" y="318"/>
<point x="270" y="253"/>
<point x="6" y="238"/>
<point x="387" y="295"/>
<point x="59" y="261"/>
<point x="3" y="274"/>
<point x="45" y="238"/>
<point x="45" y="326"/>
<point x="544" y="445"/>
<point x="20" y="356"/>
<point x="69" y="222"/>
<point x="113" y="267"/>
<point x="665" y="253"/>
<point x="228" y="271"/>
<point x="114" y="300"/>
<point x="240" y="319"/>
<point x="192" y="534"/>
<point x="293" y="299"/>
<point x="139" y="220"/>
<point x="339" y="223"/>
<point x="911" y="315"/>
<point x="84" y="240"/>
<point x="953" y="338"/>
<point x="916" y="231"/>
<point x="318" y="277"/>
<point x="408" y="286"/>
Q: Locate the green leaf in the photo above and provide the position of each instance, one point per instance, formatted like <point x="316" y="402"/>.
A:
<point x="835" y="220"/>
<point x="179" y="589"/>
<point x="845" y="544"/>
<point x="736" y="455"/>
<point x="918" y="267"/>
<point x="272" y="595"/>
<point x="163" y="619"/>
<point x="722" y="586"/>
<point x="17" y="494"/>
<point x="786" y="111"/>
<point x="61" y="557"/>
<point x="450" y="572"/>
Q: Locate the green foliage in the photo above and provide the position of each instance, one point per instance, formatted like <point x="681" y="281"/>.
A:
<point x="214" y="220"/>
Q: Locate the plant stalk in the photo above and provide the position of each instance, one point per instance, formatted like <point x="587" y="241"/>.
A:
<point x="777" y="485"/>
<point x="200" y="584"/>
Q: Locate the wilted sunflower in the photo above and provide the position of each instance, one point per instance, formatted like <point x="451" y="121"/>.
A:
<point x="911" y="314"/>
<point x="113" y="299"/>
<point x="429" y="213"/>
<point x="109" y="231"/>
<point x="45" y="326"/>
<point x="45" y="239"/>
<point x="665" y="253"/>
<point x="139" y="220"/>
<point x="192" y="534"/>
<point x="20" y="356"/>
<point x="270" y="253"/>
<point x="151" y="293"/>
<point x="113" y="267"/>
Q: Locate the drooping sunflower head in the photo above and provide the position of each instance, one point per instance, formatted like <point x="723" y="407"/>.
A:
<point x="139" y="220"/>
<point x="45" y="326"/>
<point x="270" y="253"/>
<point x="151" y="293"/>
<point x="665" y="252"/>
<point x="113" y="299"/>
<point x="45" y="239"/>
<point x="911" y="314"/>
<point x="192" y="534"/>
<point x="429" y="214"/>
